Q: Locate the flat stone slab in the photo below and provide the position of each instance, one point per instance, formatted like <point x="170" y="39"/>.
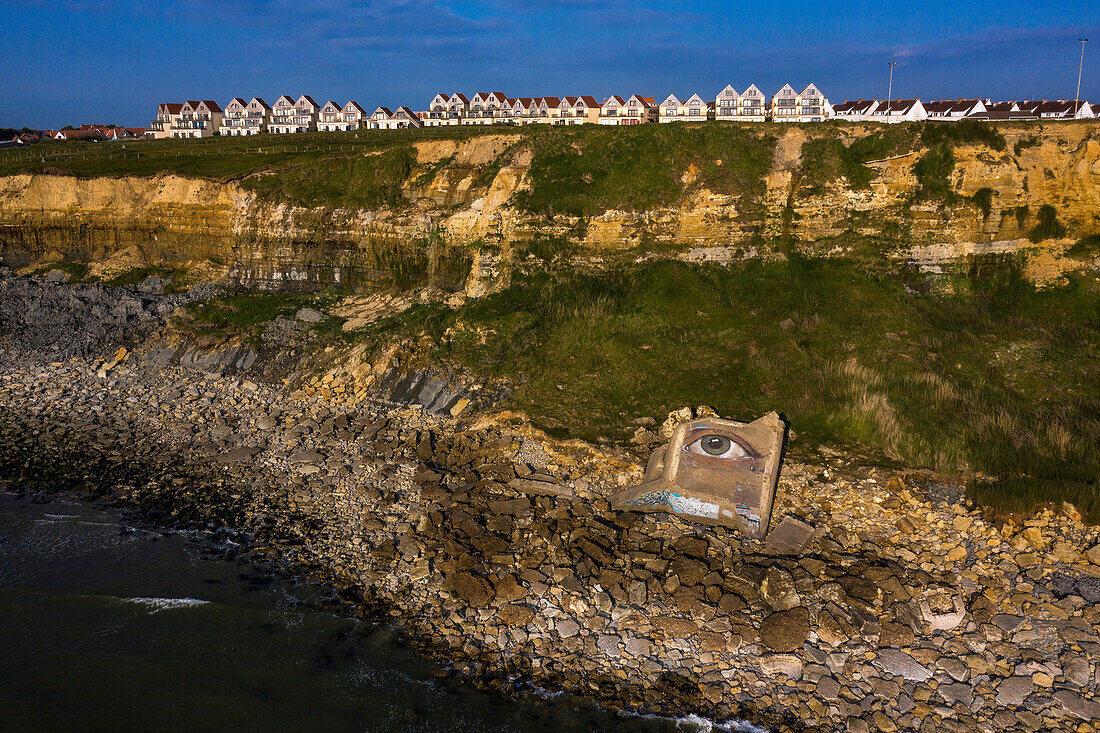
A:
<point x="790" y="537"/>
<point x="898" y="663"/>
<point x="541" y="488"/>
<point x="1013" y="690"/>
<point x="1079" y="706"/>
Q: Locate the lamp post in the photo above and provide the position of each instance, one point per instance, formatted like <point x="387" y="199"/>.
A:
<point x="890" y="91"/>
<point x="1080" y="67"/>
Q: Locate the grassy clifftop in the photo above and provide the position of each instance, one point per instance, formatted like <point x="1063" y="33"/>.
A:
<point x="578" y="171"/>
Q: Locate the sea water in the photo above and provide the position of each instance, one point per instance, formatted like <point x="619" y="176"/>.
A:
<point x="110" y="623"/>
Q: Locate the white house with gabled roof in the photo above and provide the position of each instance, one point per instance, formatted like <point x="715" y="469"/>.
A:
<point x="457" y="108"/>
<point x="726" y="104"/>
<point x="809" y="105"/>
<point x="633" y="111"/>
<point x="437" y="110"/>
<point x="198" y="118"/>
<point x="282" y="116"/>
<point x="519" y="108"/>
<point x="673" y="109"/>
<point x="167" y="114"/>
<point x="233" y="118"/>
<point x="402" y="118"/>
<point x="953" y="110"/>
<point x="306" y="110"/>
<point x="752" y="105"/>
<point x="547" y="110"/>
<point x="354" y="115"/>
<point x="329" y="117"/>
<point x="899" y="110"/>
<point x="483" y="108"/>
<point x="585" y="110"/>
<point x="380" y="118"/>
<point x="855" y="110"/>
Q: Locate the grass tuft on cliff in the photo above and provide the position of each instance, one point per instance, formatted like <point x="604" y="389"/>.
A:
<point x="585" y="171"/>
<point x="829" y="158"/>
<point x="934" y="169"/>
<point x="983" y="376"/>
<point x="367" y="181"/>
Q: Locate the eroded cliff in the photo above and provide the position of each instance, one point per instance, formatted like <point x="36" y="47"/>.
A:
<point x="735" y="195"/>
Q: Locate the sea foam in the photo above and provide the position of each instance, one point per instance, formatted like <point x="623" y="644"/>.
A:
<point x="166" y="604"/>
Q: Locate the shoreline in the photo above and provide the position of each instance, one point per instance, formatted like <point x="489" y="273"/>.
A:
<point x="495" y="548"/>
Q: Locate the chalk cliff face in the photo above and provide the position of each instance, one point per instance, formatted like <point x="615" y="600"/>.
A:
<point x="168" y="218"/>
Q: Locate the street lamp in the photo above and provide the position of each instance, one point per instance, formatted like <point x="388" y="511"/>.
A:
<point x="1080" y="66"/>
<point x="890" y="91"/>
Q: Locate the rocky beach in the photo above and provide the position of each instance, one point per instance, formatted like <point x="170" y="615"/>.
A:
<point x="495" y="546"/>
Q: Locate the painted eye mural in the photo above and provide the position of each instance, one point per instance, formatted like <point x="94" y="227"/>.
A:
<point x="709" y="444"/>
<point x="716" y="471"/>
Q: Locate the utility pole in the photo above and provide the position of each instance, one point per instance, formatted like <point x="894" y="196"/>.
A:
<point x="1080" y="67"/>
<point x="890" y="91"/>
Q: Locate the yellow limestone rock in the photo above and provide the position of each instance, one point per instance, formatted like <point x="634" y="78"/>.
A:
<point x="120" y="356"/>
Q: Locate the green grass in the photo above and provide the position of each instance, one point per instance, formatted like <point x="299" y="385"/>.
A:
<point x="1086" y="247"/>
<point x="963" y="132"/>
<point x="934" y="169"/>
<point x="1024" y="143"/>
<point x="217" y="158"/>
<point x="78" y="271"/>
<point x="933" y="172"/>
<point x="364" y="181"/>
<point x="988" y="376"/>
<point x="178" y="277"/>
<point x="586" y="171"/>
<point x="826" y="159"/>
<point x="244" y="312"/>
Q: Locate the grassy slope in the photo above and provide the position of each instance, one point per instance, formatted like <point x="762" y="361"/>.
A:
<point x="585" y="171"/>
<point x="990" y="376"/>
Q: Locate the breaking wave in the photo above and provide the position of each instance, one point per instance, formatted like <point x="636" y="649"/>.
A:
<point x="165" y="604"/>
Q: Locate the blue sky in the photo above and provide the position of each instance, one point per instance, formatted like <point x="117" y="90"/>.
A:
<point x="74" y="61"/>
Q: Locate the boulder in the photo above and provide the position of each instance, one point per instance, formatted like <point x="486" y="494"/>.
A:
<point x="309" y="315"/>
<point x="470" y="588"/>
<point x="778" y="590"/>
<point x="786" y="631"/>
<point x="900" y="664"/>
<point x="785" y="664"/>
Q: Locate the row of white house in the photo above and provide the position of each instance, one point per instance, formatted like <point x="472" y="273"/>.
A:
<point x="951" y="110"/>
<point x="205" y="118"/>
